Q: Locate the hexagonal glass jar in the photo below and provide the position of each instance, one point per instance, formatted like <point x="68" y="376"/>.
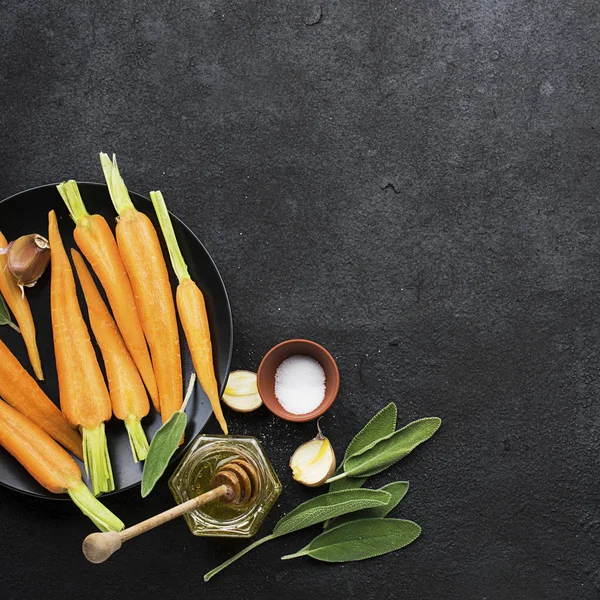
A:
<point x="194" y="476"/>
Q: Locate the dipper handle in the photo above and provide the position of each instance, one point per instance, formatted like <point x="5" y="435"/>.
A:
<point x="98" y="547"/>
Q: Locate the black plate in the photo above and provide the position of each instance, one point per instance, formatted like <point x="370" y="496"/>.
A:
<point x="27" y="212"/>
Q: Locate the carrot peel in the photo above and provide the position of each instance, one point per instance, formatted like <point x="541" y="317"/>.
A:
<point x="84" y="397"/>
<point x="126" y="389"/>
<point x="20" y="390"/>
<point x="50" y="465"/>
<point x="97" y="460"/>
<point x="97" y="242"/>
<point x="192" y="312"/>
<point x="143" y="258"/>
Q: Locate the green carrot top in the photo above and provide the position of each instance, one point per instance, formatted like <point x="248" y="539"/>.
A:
<point x="177" y="260"/>
<point x="116" y="186"/>
<point x="69" y="192"/>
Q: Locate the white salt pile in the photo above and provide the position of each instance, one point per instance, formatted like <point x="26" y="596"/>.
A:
<point x="300" y="384"/>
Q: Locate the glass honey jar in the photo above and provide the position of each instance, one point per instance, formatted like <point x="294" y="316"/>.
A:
<point x="194" y="476"/>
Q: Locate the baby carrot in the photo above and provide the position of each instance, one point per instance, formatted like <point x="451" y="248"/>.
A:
<point x="22" y="392"/>
<point x="127" y="392"/>
<point x="18" y="304"/>
<point x="97" y="242"/>
<point x="192" y="312"/>
<point x="83" y="393"/>
<point x="50" y="465"/>
<point x="143" y="258"/>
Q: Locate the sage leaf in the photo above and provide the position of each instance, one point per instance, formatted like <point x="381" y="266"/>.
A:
<point x="391" y="449"/>
<point x="397" y="491"/>
<point x="164" y="443"/>
<point x="5" y="316"/>
<point x="380" y="426"/>
<point x="313" y="511"/>
<point x="347" y="483"/>
<point x="328" y="506"/>
<point x="359" y="540"/>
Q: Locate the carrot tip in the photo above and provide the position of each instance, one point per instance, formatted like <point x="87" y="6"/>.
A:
<point x="223" y="425"/>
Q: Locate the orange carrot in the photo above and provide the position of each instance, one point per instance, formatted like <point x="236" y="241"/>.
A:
<point x="83" y="393"/>
<point x="50" y="465"/>
<point x="127" y="392"/>
<point x="22" y="392"/>
<point x="18" y="304"/>
<point x="97" y="242"/>
<point x="143" y="258"/>
<point x="192" y="312"/>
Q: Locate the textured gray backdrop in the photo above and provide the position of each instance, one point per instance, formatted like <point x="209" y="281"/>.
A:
<point x="412" y="184"/>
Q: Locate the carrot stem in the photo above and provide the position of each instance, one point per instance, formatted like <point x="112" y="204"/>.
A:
<point x="72" y="198"/>
<point x="16" y="328"/>
<point x="90" y="506"/>
<point x="137" y="439"/>
<point x="97" y="460"/>
<point x="177" y="260"/>
<point x="116" y="186"/>
<point x="188" y="392"/>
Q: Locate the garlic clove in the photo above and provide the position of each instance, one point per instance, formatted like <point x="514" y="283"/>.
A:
<point x="314" y="462"/>
<point x="241" y="383"/>
<point x="246" y="403"/>
<point x="28" y="258"/>
<point x="241" y="392"/>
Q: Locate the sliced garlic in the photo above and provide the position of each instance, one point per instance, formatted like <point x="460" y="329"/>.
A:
<point x="313" y="462"/>
<point x="241" y="392"/>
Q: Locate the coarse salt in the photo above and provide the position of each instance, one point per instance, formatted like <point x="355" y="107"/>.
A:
<point x="300" y="384"/>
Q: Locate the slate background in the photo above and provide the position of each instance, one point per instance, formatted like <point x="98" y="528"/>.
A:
<point x="412" y="184"/>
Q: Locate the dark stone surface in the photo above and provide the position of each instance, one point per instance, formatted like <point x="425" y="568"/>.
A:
<point x="413" y="184"/>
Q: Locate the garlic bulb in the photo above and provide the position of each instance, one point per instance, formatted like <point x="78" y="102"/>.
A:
<point x="313" y="462"/>
<point x="27" y="259"/>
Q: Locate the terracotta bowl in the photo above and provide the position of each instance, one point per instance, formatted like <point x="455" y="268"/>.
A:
<point x="274" y="357"/>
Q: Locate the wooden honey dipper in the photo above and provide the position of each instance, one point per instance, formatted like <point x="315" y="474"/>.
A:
<point x="236" y="482"/>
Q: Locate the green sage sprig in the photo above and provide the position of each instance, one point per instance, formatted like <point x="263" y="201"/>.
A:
<point x="164" y="444"/>
<point x="359" y="540"/>
<point x="5" y="316"/>
<point x="397" y="490"/>
<point x="382" y="454"/>
<point x="329" y="506"/>
<point x="314" y="511"/>
<point x="379" y="427"/>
